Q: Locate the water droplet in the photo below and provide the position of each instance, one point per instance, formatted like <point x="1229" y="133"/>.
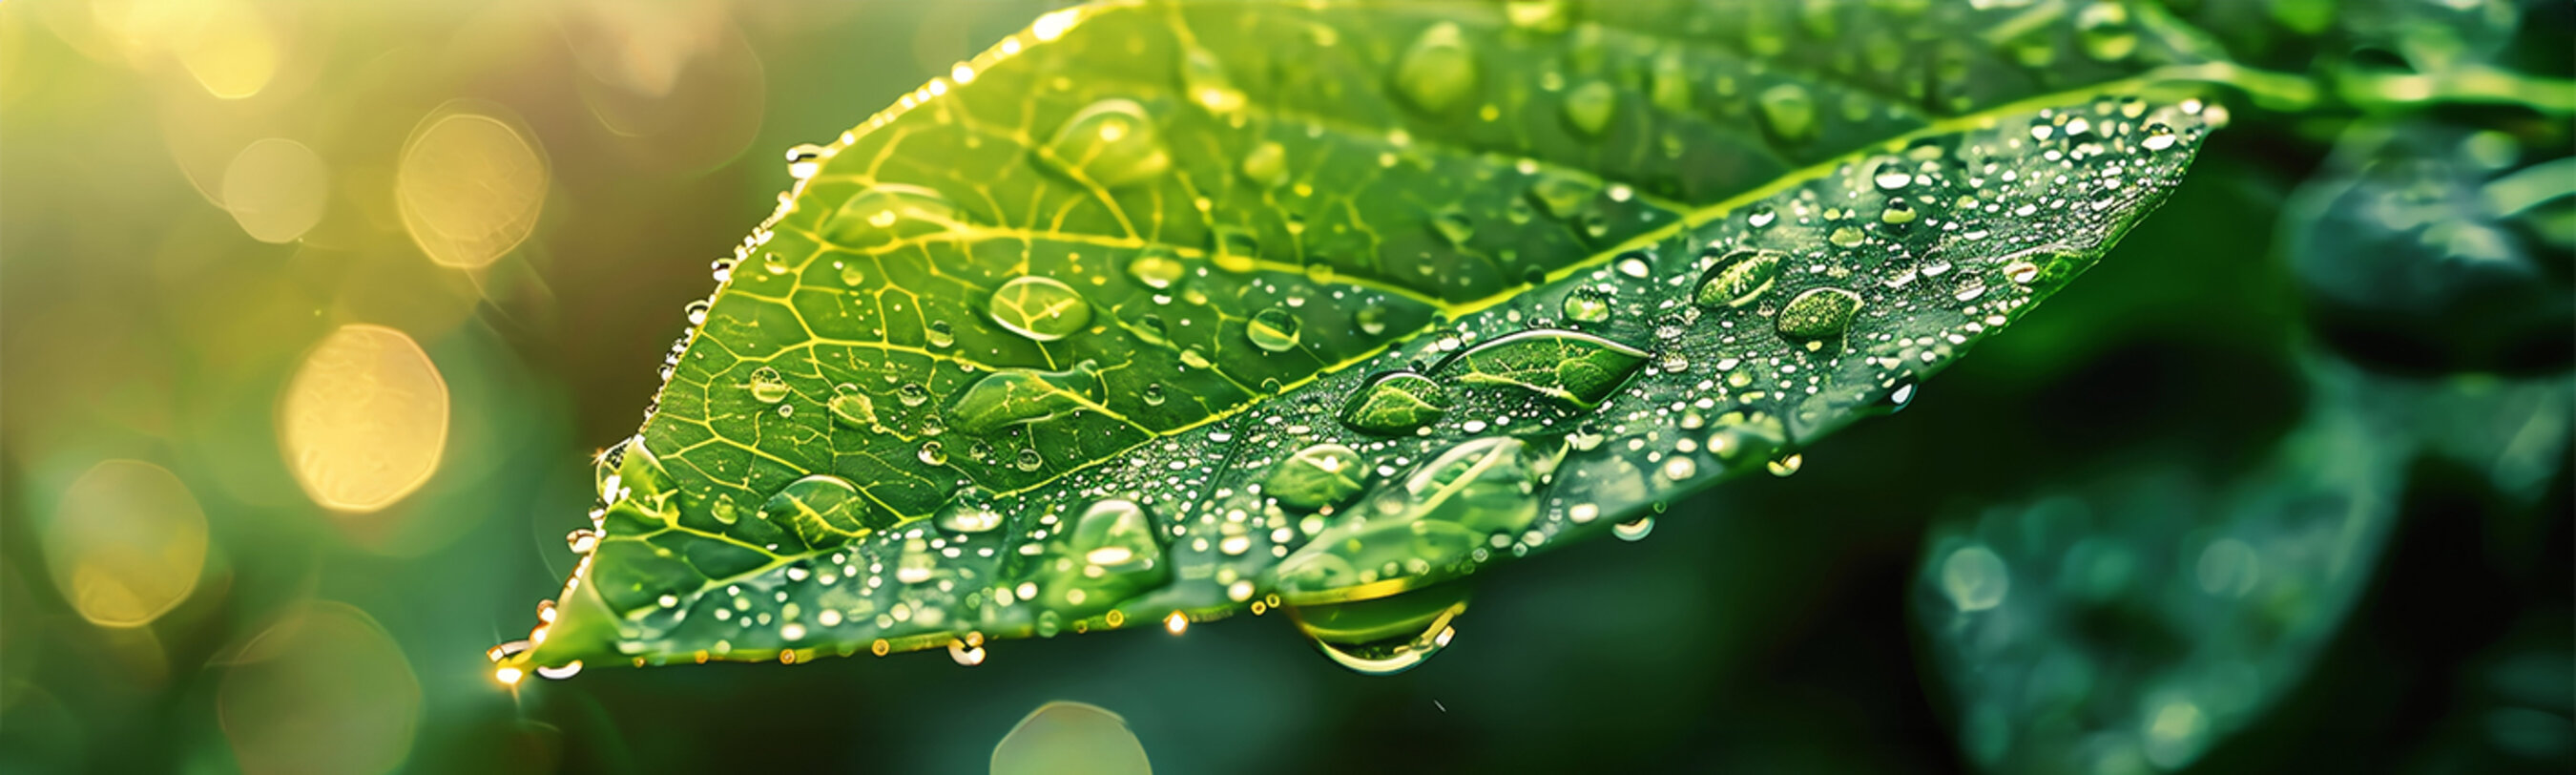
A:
<point x="823" y="509"/>
<point x="1786" y="465"/>
<point x="1577" y="369"/>
<point x="1760" y="216"/>
<point x="1112" y="143"/>
<point x="964" y="654"/>
<point x="1586" y="305"/>
<point x="1680" y="468"/>
<point x="803" y="160"/>
<point x="1020" y="396"/>
<point x="2159" y="137"/>
<point x="2103" y="29"/>
<point x="851" y="275"/>
<point x="1438" y="71"/>
<point x="1898" y="213"/>
<point x="1395" y="403"/>
<point x="1635" y="529"/>
<point x="1387" y="635"/>
<point x="697" y="312"/>
<point x="582" y="541"/>
<point x="932" y="453"/>
<point x="1845" y="237"/>
<point x="1817" y="315"/>
<point x="1273" y="329"/>
<point x="1317" y="476"/>
<point x="1975" y="578"/>
<point x="1892" y="175"/>
<point x="1040" y="308"/>
<point x="1790" y="111"/>
<point x="912" y="394"/>
<point x="1562" y="196"/>
<point x="884" y="213"/>
<point x="1739" y="277"/>
<point x="1156" y="269"/>
<point x="1371" y="320"/>
<point x="853" y="408"/>
<point x="1267" y="165"/>
<point x="2021" y="272"/>
<point x="1549" y="16"/>
<point x="968" y="511"/>
<point x="1028" y="459"/>
<point x="1203" y="77"/>
<point x="1453" y="226"/>
<point x="1589" y="106"/>
<point x="767" y="386"/>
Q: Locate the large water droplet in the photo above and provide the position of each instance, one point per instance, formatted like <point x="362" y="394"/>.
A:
<point x="1112" y="143"/>
<point x="1789" y="110"/>
<point x="1739" y="277"/>
<point x="1112" y="555"/>
<point x="1577" y="369"/>
<point x="967" y="511"/>
<point x="1438" y="71"/>
<point x="823" y="509"/>
<point x="1817" y="315"/>
<point x="887" y="212"/>
<point x="1586" y="305"/>
<point x="853" y="408"/>
<point x="1387" y="635"/>
<point x="1019" y="396"/>
<point x="767" y="386"/>
<point x="1040" y="308"/>
<point x="1203" y="77"/>
<point x="1395" y="403"/>
<point x="1273" y="329"/>
<point x="1589" y="106"/>
<point x="1317" y="476"/>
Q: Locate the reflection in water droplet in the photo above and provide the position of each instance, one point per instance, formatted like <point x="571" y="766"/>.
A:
<point x="1317" y="476"/>
<point x="1112" y="143"/>
<point x="1395" y="403"/>
<point x="1156" y="268"/>
<point x="853" y="408"/>
<point x="1273" y="329"/>
<point x="1818" y="314"/>
<point x="1739" y="277"/>
<point x="1388" y="635"/>
<point x="1786" y="465"/>
<point x="1585" y="305"/>
<point x="1040" y="308"/>
<point x="767" y="386"/>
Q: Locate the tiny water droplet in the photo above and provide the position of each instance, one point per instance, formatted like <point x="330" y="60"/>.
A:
<point x="767" y="386"/>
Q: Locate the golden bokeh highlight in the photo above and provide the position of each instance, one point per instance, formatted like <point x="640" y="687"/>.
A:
<point x="227" y="46"/>
<point x="364" y="421"/>
<point x="276" y="189"/>
<point x="127" y="543"/>
<point x="470" y="187"/>
<point x="324" y="690"/>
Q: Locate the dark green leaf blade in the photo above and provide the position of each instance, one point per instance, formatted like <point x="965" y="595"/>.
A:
<point x="924" y="412"/>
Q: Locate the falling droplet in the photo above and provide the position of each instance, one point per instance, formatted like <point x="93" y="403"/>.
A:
<point x="1041" y="308"/>
<point x="1635" y="529"/>
<point x="1438" y="71"/>
<point x="1112" y="143"/>
<point x="1273" y="329"/>
<point x="1589" y="106"/>
<point x="1387" y="635"/>
<point x="1786" y="464"/>
<point x="767" y="386"/>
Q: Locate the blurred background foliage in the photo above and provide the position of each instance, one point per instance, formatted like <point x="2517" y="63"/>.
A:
<point x="315" y="312"/>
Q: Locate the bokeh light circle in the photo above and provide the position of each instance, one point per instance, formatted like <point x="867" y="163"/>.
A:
<point x="470" y="187"/>
<point x="127" y="543"/>
<point x="323" y="690"/>
<point x="276" y="189"/>
<point x="364" y="422"/>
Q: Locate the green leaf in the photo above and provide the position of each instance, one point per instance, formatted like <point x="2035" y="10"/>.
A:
<point x="1165" y="312"/>
<point x="2137" y="621"/>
